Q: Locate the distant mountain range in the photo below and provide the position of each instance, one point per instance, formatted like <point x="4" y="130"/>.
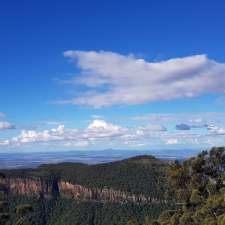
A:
<point x="34" y="159"/>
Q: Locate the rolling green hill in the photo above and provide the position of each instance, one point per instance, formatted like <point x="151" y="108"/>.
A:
<point x="143" y="175"/>
<point x="191" y="192"/>
<point x="138" y="175"/>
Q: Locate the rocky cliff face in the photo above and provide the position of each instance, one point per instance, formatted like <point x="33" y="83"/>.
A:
<point x="26" y="186"/>
<point x="54" y="189"/>
<point x="76" y="191"/>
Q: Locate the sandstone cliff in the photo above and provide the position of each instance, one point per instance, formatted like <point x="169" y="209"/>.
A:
<point x="65" y="189"/>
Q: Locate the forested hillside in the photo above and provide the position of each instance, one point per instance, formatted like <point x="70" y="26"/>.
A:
<point x="199" y="185"/>
<point x="138" y="175"/>
<point x="142" y="175"/>
<point x="191" y="192"/>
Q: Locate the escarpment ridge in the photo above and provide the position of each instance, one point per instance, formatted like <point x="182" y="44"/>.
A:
<point x="65" y="189"/>
<point x="140" y="179"/>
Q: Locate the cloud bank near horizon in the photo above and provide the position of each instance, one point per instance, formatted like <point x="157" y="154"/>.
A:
<point x="103" y="133"/>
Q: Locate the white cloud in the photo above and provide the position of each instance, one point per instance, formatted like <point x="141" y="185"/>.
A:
<point x="171" y="141"/>
<point x="129" y="80"/>
<point x="104" y="134"/>
<point x="5" y="143"/>
<point x="216" y="130"/>
<point x="100" y="125"/>
<point x="5" y="125"/>
<point x="204" y="136"/>
<point x="31" y="136"/>
<point x="102" y="129"/>
<point x="96" y="130"/>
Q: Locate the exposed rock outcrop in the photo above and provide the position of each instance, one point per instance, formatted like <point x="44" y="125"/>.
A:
<point x="76" y="191"/>
<point x="65" y="189"/>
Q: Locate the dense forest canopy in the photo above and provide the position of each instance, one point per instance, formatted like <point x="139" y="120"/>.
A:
<point x="137" y="175"/>
<point x="199" y="186"/>
<point x="196" y="188"/>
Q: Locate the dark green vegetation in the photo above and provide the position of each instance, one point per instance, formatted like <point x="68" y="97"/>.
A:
<point x="197" y="186"/>
<point x="24" y="214"/>
<point x="102" y="214"/>
<point x="137" y="175"/>
<point x="4" y="208"/>
<point x="21" y="212"/>
<point x="71" y="212"/>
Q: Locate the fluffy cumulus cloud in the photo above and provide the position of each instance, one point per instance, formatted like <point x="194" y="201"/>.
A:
<point x="6" y="125"/>
<point x="114" y="79"/>
<point x="98" y="131"/>
<point x="101" y="129"/>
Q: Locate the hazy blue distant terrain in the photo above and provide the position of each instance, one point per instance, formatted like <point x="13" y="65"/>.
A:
<point x="34" y="159"/>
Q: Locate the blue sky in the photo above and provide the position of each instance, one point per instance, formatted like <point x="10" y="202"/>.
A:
<point x="112" y="74"/>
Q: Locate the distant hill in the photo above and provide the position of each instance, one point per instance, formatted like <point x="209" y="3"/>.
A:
<point x="137" y="175"/>
<point x="136" y="191"/>
<point x="107" y="193"/>
<point x="11" y="160"/>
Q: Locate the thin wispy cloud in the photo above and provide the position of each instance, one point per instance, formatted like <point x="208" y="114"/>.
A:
<point x="114" y="79"/>
<point x="192" y="119"/>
